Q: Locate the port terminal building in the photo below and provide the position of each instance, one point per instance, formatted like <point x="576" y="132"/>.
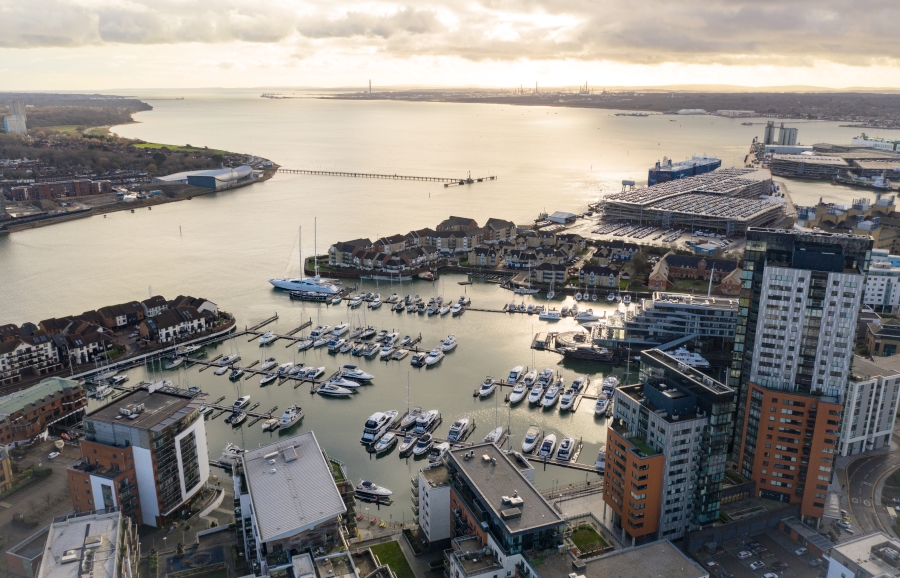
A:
<point x="727" y="200"/>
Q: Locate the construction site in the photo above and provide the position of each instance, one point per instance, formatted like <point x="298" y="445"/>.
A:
<point x="728" y="201"/>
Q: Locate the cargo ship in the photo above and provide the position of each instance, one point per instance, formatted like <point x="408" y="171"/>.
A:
<point x="669" y="171"/>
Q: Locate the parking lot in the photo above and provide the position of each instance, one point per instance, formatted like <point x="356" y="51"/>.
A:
<point x="775" y="551"/>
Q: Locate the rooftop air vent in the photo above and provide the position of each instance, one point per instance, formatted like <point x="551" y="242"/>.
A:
<point x="485" y="458"/>
<point x="270" y="456"/>
<point x="289" y="453"/>
<point x="511" y="513"/>
<point x="69" y="556"/>
<point x="93" y="541"/>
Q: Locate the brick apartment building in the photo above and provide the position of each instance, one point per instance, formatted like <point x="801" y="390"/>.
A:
<point x="61" y="189"/>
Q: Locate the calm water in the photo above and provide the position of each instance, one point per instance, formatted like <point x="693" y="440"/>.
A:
<point x="224" y="246"/>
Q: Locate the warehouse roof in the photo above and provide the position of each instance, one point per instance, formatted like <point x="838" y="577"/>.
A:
<point x="291" y="486"/>
<point x="655" y="560"/>
<point x="92" y="538"/>
<point x="811" y="160"/>
<point x="220" y="174"/>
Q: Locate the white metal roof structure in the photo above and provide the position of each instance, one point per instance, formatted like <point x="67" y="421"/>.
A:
<point x="291" y="486"/>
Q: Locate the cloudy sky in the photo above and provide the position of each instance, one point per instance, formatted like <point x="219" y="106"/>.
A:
<point x="103" y="44"/>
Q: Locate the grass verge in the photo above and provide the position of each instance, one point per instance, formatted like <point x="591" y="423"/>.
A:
<point x="178" y="148"/>
<point x="390" y="553"/>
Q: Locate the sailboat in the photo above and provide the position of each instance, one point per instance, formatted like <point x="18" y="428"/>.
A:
<point x="307" y="285"/>
<point x="527" y="289"/>
<point x="550" y="292"/>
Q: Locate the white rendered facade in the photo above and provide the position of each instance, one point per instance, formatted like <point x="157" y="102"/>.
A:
<point x="434" y="502"/>
<point x="870" y="405"/>
<point x="883" y="283"/>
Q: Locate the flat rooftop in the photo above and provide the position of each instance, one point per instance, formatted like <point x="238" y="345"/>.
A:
<point x="886" y="165"/>
<point x="473" y="559"/>
<point x="87" y="539"/>
<point x="493" y="481"/>
<point x="161" y="409"/>
<point x="436" y="475"/>
<point x="721" y="182"/>
<point x="811" y="159"/>
<point x="716" y="206"/>
<point x="864" y="368"/>
<point x="663" y="299"/>
<point x="291" y="486"/>
<point x="859" y="552"/>
<point x="655" y="560"/>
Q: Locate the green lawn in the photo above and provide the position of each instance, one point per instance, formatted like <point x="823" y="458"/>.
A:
<point x="587" y="539"/>
<point x="390" y="553"/>
<point x="178" y="148"/>
<point x="66" y="128"/>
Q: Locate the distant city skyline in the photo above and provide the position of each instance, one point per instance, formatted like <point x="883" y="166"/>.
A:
<point x="103" y="44"/>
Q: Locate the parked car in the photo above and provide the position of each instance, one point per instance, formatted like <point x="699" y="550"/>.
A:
<point x="770" y="575"/>
<point x="815" y="562"/>
<point x="759" y="550"/>
<point x="777" y="565"/>
<point x="757" y="565"/>
<point x="712" y="565"/>
<point x="844" y="524"/>
<point x="743" y="554"/>
<point x="752" y="545"/>
<point x="53" y="455"/>
<point x="800" y="551"/>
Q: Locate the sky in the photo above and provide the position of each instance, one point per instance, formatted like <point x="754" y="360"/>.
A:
<point x="108" y="44"/>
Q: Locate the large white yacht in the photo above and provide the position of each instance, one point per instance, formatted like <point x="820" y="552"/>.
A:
<point x="290" y="416"/>
<point x="308" y="284"/>
<point x="693" y="359"/>
<point x="377" y="424"/>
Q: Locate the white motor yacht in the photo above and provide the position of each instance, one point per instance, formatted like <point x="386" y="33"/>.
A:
<point x="405" y="341"/>
<point x="550" y="315"/>
<point x="332" y="390"/>
<point x="337" y="300"/>
<point x="304" y="344"/>
<point x="688" y="358"/>
<point x="323" y="340"/>
<point x="423" y="445"/>
<point x="355" y="373"/>
<point x="566" y="449"/>
<point x="270" y="424"/>
<point x="438" y="452"/>
<point x="222" y="370"/>
<point x="291" y="416"/>
<point x="578" y="384"/>
<point x="381" y="335"/>
<point x="587" y="315"/>
<point x="341" y="382"/>
<point x="391" y="338"/>
<point x="537" y="392"/>
<point x="449" y="344"/>
<point x="445" y="309"/>
<point x="268" y="378"/>
<point x="518" y="393"/>
<point x="515" y="375"/>
<point x="551" y="396"/>
<point x="530" y="378"/>
<point x="236" y="374"/>
<point x="393" y="298"/>
<point x="267" y="338"/>
<point x="457" y="310"/>
<point x="386" y="442"/>
<point x="371" y="350"/>
<point x="340" y="329"/>
<point x="425" y="421"/>
<point x="297" y="370"/>
<point x="335" y="344"/>
<point x="387" y="351"/>
<point x="268" y="364"/>
<point x="377" y="425"/>
<point x="611" y="297"/>
<point x="241" y="402"/>
<point x="409" y="420"/>
<point x="609" y="385"/>
<point x="532" y="437"/>
<point x="376" y="303"/>
<point x="309" y="284"/>
<point x="600" y="464"/>
<point x="434" y="357"/>
<point x="458" y="430"/>
<point x="487" y="386"/>
<point x="320" y="331"/>
<point x="285" y="368"/>
<point x="602" y="404"/>
<point x="400" y="354"/>
<point x="186" y="349"/>
<point x="567" y="399"/>
<point x="175" y="363"/>
<point x="545" y="378"/>
<point x="368" y="332"/>
<point x="314" y="372"/>
<point x="409" y="441"/>
<point x="547" y="446"/>
<point x="228" y="359"/>
<point x="626" y="299"/>
<point x="493" y="436"/>
<point x="369" y="491"/>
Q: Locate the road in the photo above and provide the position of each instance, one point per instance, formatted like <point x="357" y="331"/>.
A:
<point x="863" y="475"/>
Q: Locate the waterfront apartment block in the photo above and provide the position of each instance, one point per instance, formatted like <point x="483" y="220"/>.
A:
<point x="102" y="544"/>
<point x="60" y="190"/>
<point x="876" y="555"/>
<point x="882" y="292"/>
<point x="26" y="415"/>
<point x="26" y="354"/>
<point x="431" y="502"/>
<point x="145" y="453"/>
<point x="870" y="404"/>
<point x="669" y="317"/>
<point x="497" y="515"/>
<point x="666" y="452"/>
<point x="792" y="355"/>
<point x="288" y="500"/>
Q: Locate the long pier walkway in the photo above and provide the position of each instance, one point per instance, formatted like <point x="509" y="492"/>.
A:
<point x="395" y="177"/>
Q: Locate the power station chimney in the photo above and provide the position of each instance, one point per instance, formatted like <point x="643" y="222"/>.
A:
<point x="370" y="86"/>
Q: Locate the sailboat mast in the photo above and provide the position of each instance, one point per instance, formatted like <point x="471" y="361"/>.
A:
<point x="316" y="244"/>
<point x="300" y="249"/>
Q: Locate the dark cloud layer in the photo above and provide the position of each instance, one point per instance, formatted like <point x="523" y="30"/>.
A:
<point x="785" y="32"/>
